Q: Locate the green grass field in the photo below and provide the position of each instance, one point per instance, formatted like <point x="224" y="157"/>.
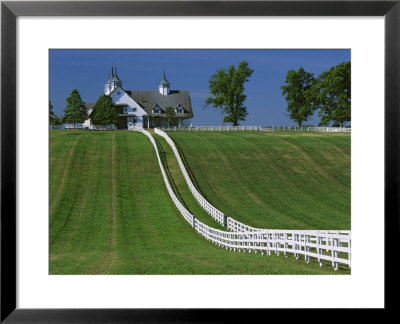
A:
<point x="283" y="180"/>
<point x="110" y="213"/>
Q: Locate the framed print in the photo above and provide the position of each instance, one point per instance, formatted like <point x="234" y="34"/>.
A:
<point x="32" y="288"/>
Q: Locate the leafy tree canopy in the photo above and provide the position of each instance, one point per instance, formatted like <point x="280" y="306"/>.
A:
<point x="332" y="93"/>
<point x="51" y="112"/>
<point x="227" y="89"/>
<point x="56" y="120"/>
<point x="104" y="112"/>
<point x="297" y="90"/>
<point x="75" y="110"/>
<point x="170" y="112"/>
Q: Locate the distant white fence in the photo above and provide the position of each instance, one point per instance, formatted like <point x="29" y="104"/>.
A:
<point x="102" y="127"/>
<point x="90" y="127"/>
<point x="256" y="128"/>
<point x="216" y="128"/>
<point x="310" y="243"/>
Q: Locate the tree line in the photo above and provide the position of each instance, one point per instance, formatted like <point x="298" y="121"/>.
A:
<point x="330" y="92"/>
<point x="75" y="111"/>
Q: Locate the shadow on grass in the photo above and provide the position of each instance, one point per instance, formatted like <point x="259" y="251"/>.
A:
<point x="168" y="172"/>
<point x="189" y="170"/>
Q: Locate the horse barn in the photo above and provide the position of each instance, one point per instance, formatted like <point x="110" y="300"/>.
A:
<point x="145" y="108"/>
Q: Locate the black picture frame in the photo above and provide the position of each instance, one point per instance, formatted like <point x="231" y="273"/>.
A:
<point x="10" y="10"/>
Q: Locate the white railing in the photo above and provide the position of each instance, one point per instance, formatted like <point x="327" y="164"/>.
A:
<point x="321" y="240"/>
<point x="310" y="243"/>
<point x="72" y="126"/>
<point x="214" y="212"/>
<point x="102" y="127"/>
<point x="236" y="226"/>
<point x="255" y="128"/>
<point x="185" y="213"/>
<point x="216" y="128"/>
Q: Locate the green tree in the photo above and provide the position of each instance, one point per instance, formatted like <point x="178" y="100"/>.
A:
<point x="332" y="93"/>
<point x="297" y="90"/>
<point x="104" y="112"/>
<point x="75" y="110"/>
<point x="51" y="113"/>
<point x="57" y="120"/>
<point x="170" y="112"/>
<point x="227" y="88"/>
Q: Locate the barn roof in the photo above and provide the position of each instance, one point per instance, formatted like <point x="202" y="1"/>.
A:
<point x="148" y="99"/>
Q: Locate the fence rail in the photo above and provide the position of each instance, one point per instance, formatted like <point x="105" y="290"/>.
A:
<point x="90" y="127"/>
<point x="210" y="209"/>
<point x="332" y="246"/>
<point x="255" y="128"/>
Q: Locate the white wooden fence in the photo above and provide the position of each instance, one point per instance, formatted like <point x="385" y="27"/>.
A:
<point x="256" y="128"/>
<point x="216" y="128"/>
<point x="315" y="244"/>
<point x="310" y="243"/>
<point x="214" y="212"/>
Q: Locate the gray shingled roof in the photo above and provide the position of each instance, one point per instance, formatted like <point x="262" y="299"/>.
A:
<point x="148" y="99"/>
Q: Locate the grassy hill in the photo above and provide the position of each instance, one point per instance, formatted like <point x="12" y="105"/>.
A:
<point x="284" y="180"/>
<point x="110" y="213"/>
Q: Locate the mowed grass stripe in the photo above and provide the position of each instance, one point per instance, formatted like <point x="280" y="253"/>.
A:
<point x="273" y="180"/>
<point x="91" y="231"/>
<point x="151" y="237"/>
<point x="58" y="173"/>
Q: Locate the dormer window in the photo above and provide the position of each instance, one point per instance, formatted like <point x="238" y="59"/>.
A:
<point x="179" y="109"/>
<point x="125" y="110"/>
<point x="156" y="110"/>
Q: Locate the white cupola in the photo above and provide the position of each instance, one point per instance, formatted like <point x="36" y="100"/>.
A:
<point x="164" y="86"/>
<point x="112" y="82"/>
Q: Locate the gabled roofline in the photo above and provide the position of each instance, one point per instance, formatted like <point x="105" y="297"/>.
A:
<point x="116" y="90"/>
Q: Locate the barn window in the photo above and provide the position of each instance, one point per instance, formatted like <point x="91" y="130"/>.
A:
<point x="156" y="109"/>
<point x="179" y="109"/>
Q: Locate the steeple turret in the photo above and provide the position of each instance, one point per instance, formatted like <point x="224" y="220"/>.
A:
<point x="164" y="86"/>
<point x="112" y="82"/>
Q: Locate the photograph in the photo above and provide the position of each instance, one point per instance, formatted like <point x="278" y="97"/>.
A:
<point x="199" y="161"/>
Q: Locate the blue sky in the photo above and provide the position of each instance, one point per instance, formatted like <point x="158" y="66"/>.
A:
<point x="87" y="71"/>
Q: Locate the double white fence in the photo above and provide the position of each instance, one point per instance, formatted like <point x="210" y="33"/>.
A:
<point x="255" y="128"/>
<point x="214" y="212"/>
<point x="333" y="246"/>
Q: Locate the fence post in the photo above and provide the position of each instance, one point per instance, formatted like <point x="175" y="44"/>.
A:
<point x="335" y="254"/>
<point x="307" y="249"/>
<point x="286" y="235"/>
<point x="193" y="221"/>
<point x="320" y="250"/>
